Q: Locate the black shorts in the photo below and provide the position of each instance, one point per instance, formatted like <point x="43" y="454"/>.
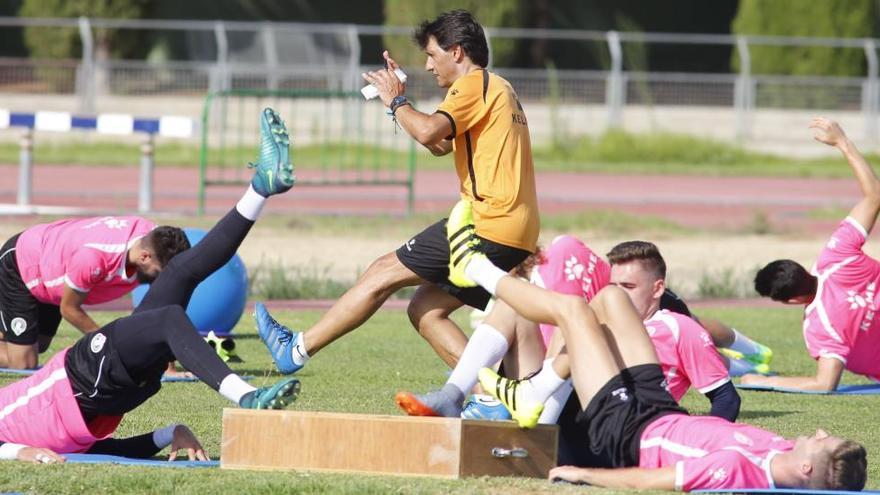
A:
<point x="618" y="414"/>
<point x="23" y="319"/>
<point x="427" y="255"/>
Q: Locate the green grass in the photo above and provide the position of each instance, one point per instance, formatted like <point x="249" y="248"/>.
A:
<point x="361" y="372"/>
<point x="612" y="152"/>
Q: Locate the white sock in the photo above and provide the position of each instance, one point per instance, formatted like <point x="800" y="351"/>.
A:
<point x="233" y="388"/>
<point x="485" y="347"/>
<point x="251" y="204"/>
<point x="544" y="383"/>
<point x="298" y="351"/>
<point x="743" y="344"/>
<point x="556" y="403"/>
<point x="483" y="272"/>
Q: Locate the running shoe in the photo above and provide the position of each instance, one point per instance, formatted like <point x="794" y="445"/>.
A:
<point x="511" y="393"/>
<point x="277" y="396"/>
<point x="274" y="172"/>
<point x="280" y="341"/>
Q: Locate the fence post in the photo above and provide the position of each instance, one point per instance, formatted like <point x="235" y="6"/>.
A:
<point x="25" y="167"/>
<point x="869" y="98"/>
<point x="86" y="75"/>
<point x="742" y="95"/>
<point x="145" y="191"/>
<point x="353" y="78"/>
<point x="222" y="55"/>
<point x="614" y="84"/>
<point x="271" y="52"/>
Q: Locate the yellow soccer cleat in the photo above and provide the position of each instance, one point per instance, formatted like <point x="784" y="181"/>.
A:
<point x="511" y="393"/>
<point x="461" y="234"/>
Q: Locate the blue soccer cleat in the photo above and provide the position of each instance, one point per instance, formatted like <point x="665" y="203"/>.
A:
<point x="274" y="172"/>
<point x="278" y="338"/>
<point x="480" y="406"/>
<point x="277" y="396"/>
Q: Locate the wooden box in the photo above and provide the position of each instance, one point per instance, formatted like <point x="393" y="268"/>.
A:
<point x="398" y="445"/>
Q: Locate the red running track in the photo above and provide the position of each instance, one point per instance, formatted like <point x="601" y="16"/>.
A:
<point x="703" y="202"/>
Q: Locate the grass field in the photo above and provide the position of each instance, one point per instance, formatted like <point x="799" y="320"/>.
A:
<point x="361" y="373"/>
<point x="613" y="152"/>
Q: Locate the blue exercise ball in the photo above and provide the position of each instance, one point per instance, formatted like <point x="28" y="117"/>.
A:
<point x="218" y="302"/>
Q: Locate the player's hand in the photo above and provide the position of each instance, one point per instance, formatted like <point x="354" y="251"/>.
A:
<point x="185" y="439"/>
<point x="39" y="456"/>
<point x="571" y="474"/>
<point x="174" y="373"/>
<point x="386" y="81"/>
<point x="827" y="131"/>
<point x="753" y="379"/>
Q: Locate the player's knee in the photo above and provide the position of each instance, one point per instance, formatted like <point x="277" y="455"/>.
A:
<point x="383" y="276"/>
<point x="172" y="314"/>
<point x="571" y="309"/>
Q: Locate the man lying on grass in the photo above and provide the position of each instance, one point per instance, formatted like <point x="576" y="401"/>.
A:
<point x="630" y="418"/>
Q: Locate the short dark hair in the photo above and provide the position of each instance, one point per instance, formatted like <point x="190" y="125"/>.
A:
<point x="456" y="27"/>
<point x="166" y="242"/>
<point x="782" y="280"/>
<point x="642" y="251"/>
<point x="848" y="469"/>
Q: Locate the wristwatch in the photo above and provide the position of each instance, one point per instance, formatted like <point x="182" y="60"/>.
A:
<point x="398" y="102"/>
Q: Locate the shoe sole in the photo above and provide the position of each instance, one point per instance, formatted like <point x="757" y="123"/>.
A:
<point x="285" y="396"/>
<point x="283" y="163"/>
<point x="412" y="406"/>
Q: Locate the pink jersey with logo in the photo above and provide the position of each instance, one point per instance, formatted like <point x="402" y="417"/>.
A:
<point x="570" y="267"/>
<point x="40" y="411"/>
<point x="86" y="254"/>
<point x="710" y="452"/>
<point x="841" y="321"/>
<point x="686" y="354"/>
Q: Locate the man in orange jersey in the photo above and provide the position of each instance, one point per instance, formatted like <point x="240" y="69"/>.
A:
<point x="482" y="121"/>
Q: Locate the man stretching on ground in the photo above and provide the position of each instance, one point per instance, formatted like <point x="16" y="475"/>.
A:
<point x="482" y="121"/>
<point x="50" y="270"/>
<point x="631" y="420"/>
<point x="841" y="328"/>
<point x="80" y="396"/>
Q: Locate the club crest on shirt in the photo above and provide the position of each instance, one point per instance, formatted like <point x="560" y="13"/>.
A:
<point x="718" y="474"/>
<point x="18" y="325"/>
<point x="621" y="394"/>
<point x="98" y="342"/>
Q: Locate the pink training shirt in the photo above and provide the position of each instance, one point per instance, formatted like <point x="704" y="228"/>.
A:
<point x="710" y="452"/>
<point x="570" y="267"/>
<point x="41" y="411"/>
<point x="840" y="323"/>
<point x="686" y="354"/>
<point x="86" y="254"/>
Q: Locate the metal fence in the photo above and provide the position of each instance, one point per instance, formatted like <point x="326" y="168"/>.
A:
<point x="223" y="55"/>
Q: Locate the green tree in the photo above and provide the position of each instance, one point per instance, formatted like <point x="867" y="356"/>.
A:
<point x="65" y="42"/>
<point x="840" y="18"/>
<point x="497" y="13"/>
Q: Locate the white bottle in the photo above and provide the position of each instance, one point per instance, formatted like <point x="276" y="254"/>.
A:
<point x="369" y="91"/>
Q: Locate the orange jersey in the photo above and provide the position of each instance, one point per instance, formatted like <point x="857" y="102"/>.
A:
<point x="493" y="158"/>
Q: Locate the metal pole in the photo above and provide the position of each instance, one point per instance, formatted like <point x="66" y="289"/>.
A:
<point x="145" y="193"/>
<point x="743" y="97"/>
<point x="25" y="168"/>
<point x="222" y="54"/>
<point x="353" y="78"/>
<point x="271" y="51"/>
<point x="614" y="84"/>
<point x="86" y="89"/>
<point x="870" y="102"/>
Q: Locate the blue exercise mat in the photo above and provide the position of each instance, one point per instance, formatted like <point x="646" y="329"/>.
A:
<point x="783" y="490"/>
<point x="12" y="371"/>
<point x="864" y="389"/>
<point x="113" y="459"/>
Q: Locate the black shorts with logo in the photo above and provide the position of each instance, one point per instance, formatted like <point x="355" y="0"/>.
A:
<point x="23" y="319"/>
<point x="427" y="255"/>
<point x="618" y="414"/>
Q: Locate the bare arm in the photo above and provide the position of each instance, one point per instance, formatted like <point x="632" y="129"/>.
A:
<point x="429" y="130"/>
<point x="637" y="478"/>
<point x="71" y="310"/>
<point x="828" y="373"/>
<point x="865" y="212"/>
